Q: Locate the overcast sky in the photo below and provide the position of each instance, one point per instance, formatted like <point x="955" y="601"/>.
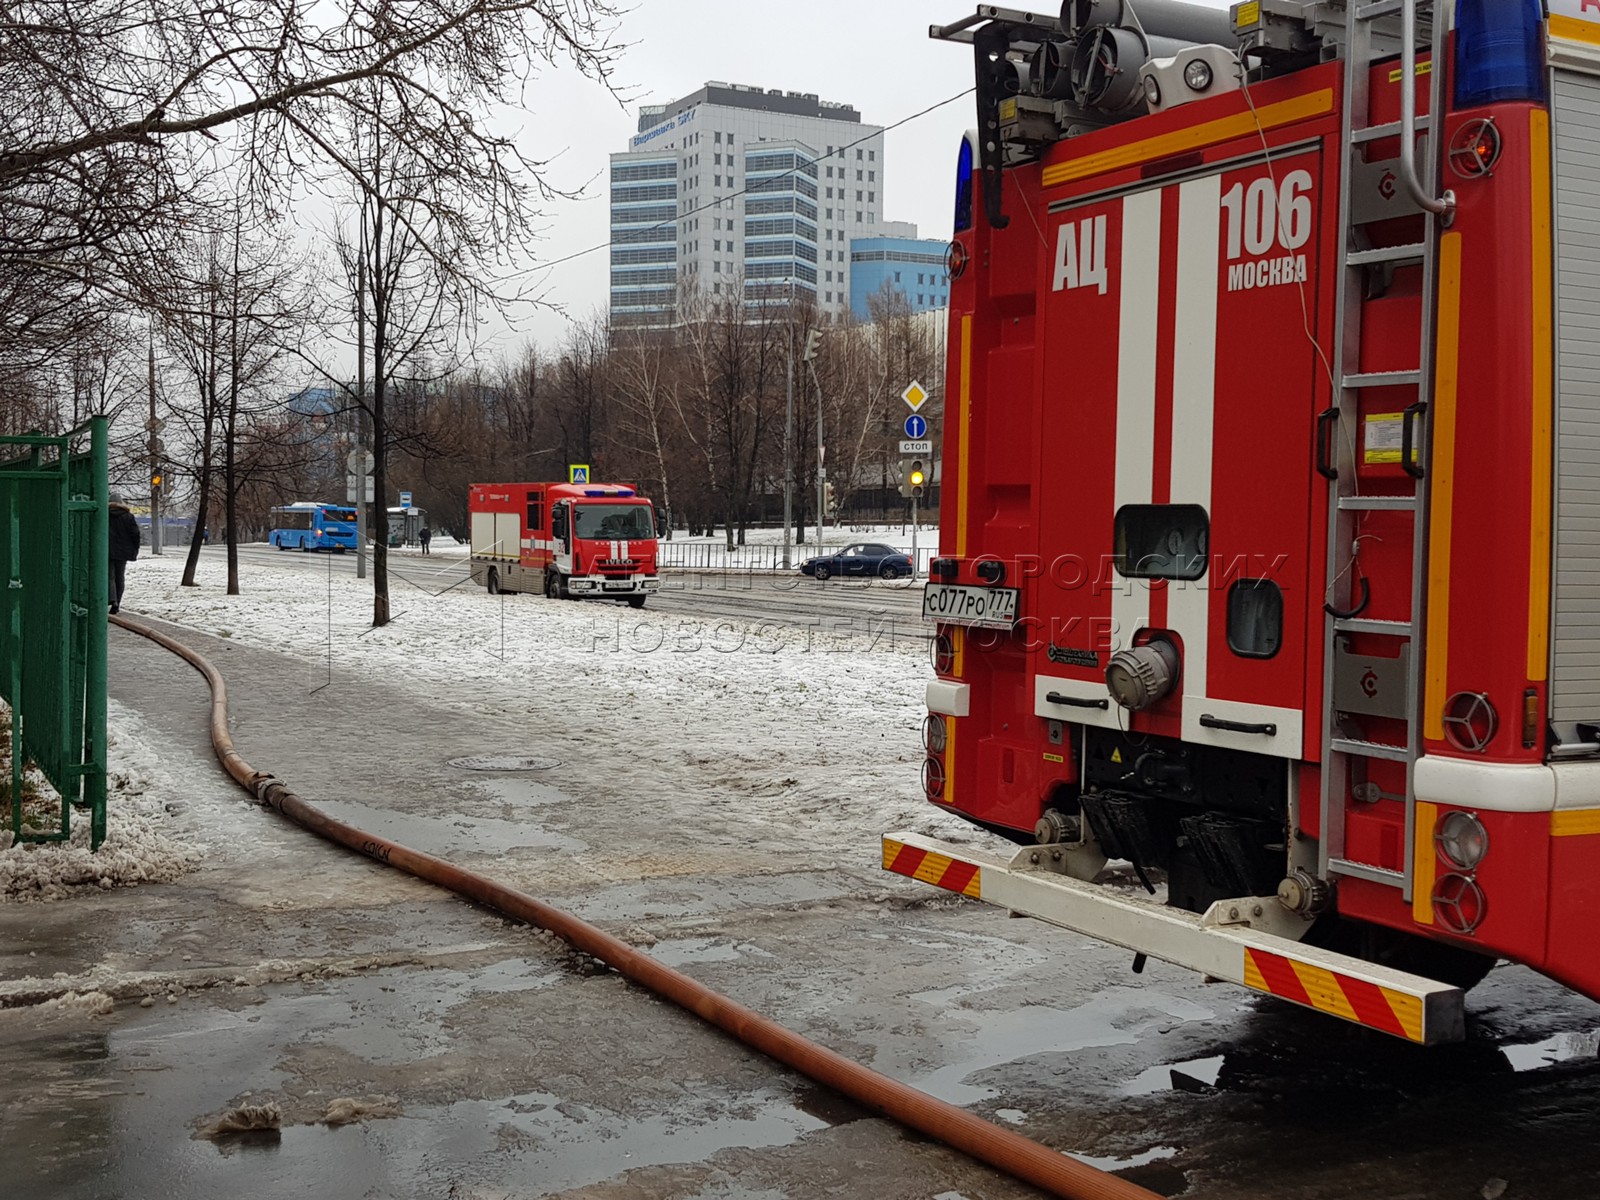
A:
<point x="874" y="54"/>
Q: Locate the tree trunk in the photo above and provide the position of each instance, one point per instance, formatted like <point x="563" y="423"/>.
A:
<point x="380" y="427"/>
<point x="231" y="428"/>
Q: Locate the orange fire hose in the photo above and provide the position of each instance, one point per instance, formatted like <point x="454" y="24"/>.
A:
<point x="1021" y="1157"/>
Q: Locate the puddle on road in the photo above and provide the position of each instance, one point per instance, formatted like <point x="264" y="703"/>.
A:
<point x="449" y="832"/>
<point x="1563" y="1047"/>
<point x="1154" y="1154"/>
<point x="1116" y="1017"/>
<point x="566" y="1145"/>
<point x="1160" y="1078"/>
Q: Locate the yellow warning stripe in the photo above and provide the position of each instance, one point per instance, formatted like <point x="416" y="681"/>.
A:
<point x="1424" y="862"/>
<point x="1543" y="441"/>
<point x="1441" y="502"/>
<point x="937" y="869"/>
<point x="1207" y="133"/>
<point x="1356" y="1000"/>
<point x="1575" y="29"/>
<point x="1575" y="822"/>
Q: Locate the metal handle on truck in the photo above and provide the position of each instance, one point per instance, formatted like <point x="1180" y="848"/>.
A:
<point x="1327" y="422"/>
<point x="1408" y="439"/>
<point x="1266" y="727"/>
<point x="1075" y="701"/>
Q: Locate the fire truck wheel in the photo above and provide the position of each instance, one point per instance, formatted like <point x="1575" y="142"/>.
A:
<point x="555" y="586"/>
<point x="493" y="582"/>
<point x="636" y="601"/>
<point x="823" y="572"/>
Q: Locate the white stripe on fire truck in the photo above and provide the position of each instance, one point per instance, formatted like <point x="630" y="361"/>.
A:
<point x="1194" y="374"/>
<point x="1136" y="386"/>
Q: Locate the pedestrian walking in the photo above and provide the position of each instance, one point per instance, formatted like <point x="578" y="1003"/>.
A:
<point x="424" y="535"/>
<point x="124" y="546"/>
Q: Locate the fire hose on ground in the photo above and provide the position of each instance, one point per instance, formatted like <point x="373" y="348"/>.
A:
<point x="1002" y="1149"/>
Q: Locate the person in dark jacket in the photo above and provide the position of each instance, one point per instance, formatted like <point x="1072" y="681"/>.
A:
<point x="425" y="535"/>
<point x="124" y="544"/>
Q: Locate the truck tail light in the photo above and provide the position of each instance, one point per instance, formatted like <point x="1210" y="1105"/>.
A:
<point x="1475" y="149"/>
<point x="933" y="733"/>
<point x="943" y="653"/>
<point x="932" y="778"/>
<point x="1459" y="903"/>
<point x="1461" y="840"/>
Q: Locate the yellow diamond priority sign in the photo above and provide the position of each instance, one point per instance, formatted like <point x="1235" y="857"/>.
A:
<point x="915" y="396"/>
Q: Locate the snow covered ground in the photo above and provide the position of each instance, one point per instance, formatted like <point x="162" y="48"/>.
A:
<point x="744" y="726"/>
<point x="143" y="843"/>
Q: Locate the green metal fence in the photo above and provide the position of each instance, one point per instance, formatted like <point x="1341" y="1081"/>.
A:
<point x="53" y="606"/>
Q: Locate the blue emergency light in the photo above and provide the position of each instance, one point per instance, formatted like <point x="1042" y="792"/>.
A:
<point x="1499" y="48"/>
<point x="964" y="186"/>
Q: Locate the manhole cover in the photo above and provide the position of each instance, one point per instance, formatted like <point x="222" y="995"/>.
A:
<point x="504" y="762"/>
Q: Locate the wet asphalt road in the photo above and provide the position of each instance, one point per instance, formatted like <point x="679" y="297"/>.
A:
<point x="500" y="1065"/>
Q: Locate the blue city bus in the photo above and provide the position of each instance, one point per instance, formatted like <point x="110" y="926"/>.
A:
<point x="310" y="525"/>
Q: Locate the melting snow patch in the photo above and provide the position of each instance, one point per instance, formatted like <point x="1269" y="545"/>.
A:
<point x="141" y="845"/>
<point x="93" y="1004"/>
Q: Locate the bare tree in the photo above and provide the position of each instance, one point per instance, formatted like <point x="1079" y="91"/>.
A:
<point x="111" y="116"/>
<point x="645" y="399"/>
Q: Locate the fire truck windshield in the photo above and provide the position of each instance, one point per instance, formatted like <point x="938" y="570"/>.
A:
<point x="623" y="521"/>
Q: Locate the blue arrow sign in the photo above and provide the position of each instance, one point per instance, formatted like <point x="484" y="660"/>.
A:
<point x="916" y="427"/>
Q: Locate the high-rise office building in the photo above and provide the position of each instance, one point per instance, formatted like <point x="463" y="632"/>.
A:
<point x="739" y="191"/>
<point x="897" y="259"/>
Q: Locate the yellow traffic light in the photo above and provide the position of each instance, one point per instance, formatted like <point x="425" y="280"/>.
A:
<point x="916" y="477"/>
<point x="155" y="481"/>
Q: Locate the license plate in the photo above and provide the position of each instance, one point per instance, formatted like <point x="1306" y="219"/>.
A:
<point x="960" y="604"/>
<point x="617" y="587"/>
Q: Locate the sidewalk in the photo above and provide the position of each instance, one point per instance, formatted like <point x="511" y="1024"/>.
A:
<point x="479" y="1059"/>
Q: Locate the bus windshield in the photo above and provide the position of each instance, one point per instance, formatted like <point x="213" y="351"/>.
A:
<point x="625" y="522"/>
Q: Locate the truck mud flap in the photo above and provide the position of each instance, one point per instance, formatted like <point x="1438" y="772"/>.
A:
<point x="1221" y="943"/>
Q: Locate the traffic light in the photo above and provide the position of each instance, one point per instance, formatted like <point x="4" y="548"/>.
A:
<point x="829" y="504"/>
<point x="813" y="344"/>
<point x="155" y="481"/>
<point x="916" y="478"/>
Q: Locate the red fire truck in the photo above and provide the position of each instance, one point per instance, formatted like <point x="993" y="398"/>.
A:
<point x="567" y="540"/>
<point x="1270" y="542"/>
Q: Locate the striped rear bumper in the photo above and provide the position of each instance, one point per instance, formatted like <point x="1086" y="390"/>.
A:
<point x="1218" y="943"/>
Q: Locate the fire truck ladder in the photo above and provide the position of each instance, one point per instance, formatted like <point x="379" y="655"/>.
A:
<point x="1346" y="758"/>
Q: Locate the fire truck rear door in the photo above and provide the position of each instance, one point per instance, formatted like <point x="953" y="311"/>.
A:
<point x="1187" y="388"/>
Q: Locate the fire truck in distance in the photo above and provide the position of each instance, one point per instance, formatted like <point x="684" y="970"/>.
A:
<point x="567" y="540"/>
<point x="1270" y="534"/>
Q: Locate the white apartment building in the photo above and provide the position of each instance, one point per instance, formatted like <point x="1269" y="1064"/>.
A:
<point x="741" y="191"/>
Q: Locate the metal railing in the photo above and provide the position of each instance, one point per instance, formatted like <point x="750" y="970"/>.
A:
<point x="766" y="556"/>
<point x="53" y="610"/>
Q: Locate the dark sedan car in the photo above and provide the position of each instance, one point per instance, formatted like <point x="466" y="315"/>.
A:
<point x="859" y="561"/>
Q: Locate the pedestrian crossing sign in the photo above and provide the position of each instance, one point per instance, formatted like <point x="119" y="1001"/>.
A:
<point x="578" y="473"/>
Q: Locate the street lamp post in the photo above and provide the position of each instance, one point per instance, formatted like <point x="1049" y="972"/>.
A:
<point x="155" y="454"/>
<point x="788" y="443"/>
